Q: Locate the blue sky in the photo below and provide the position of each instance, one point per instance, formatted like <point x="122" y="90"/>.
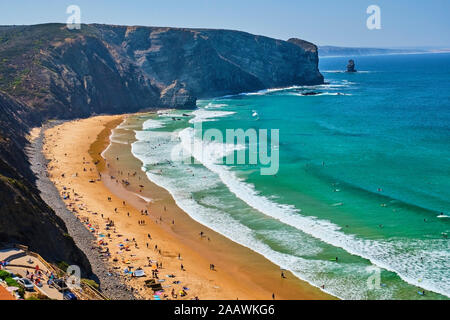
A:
<point x="405" y="23"/>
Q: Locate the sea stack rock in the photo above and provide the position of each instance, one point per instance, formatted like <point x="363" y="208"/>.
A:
<point x="351" y="66"/>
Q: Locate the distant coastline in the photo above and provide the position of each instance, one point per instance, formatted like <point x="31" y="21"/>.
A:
<point x="334" y="51"/>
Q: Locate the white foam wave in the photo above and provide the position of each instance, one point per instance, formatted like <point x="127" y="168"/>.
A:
<point x="152" y="124"/>
<point x="172" y="115"/>
<point x="112" y="137"/>
<point x="399" y="255"/>
<point x="271" y="90"/>
<point x="181" y="187"/>
<point x="381" y="253"/>
<point x="148" y="200"/>
<point x="326" y="86"/>
<point x="212" y="105"/>
<point x="202" y="115"/>
<point x="113" y="140"/>
<point x="319" y="94"/>
<point x="205" y="152"/>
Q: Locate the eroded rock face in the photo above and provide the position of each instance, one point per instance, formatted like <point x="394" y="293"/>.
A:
<point x="209" y="63"/>
<point x="24" y="217"/>
<point x="104" y="68"/>
<point x="351" y="66"/>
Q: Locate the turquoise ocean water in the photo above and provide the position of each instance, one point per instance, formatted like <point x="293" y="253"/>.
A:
<point x="364" y="173"/>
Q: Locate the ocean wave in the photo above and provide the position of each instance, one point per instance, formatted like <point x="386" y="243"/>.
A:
<point x="125" y="126"/>
<point x="112" y="137"/>
<point x="319" y="94"/>
<point x="152" y="124"/>
<point x="326" y="86"/>
<point x="202" y="115"/>
<point x="210" y="212"/>
<point x="381" y="253"/>
<point x="212" y="105"/>
<point x="343" y="71"/>
<point x="206" y="152"/>
<point x="401" y="256"/>
<point x="331" y="85"/>
<point x="113" y="140"/>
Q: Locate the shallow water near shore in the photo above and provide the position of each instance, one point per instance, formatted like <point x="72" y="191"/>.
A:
<point x="364" y="173"/>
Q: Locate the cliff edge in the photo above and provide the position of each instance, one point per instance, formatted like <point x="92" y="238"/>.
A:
<point x="50" y="72"/>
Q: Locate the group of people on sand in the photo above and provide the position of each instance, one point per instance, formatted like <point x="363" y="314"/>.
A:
<point x="107" y="236"/>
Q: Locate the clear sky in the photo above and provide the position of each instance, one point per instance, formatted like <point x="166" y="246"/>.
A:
<point x="404" y="23"/>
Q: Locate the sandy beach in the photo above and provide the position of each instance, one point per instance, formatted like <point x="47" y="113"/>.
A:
<point x="111" y="196"/>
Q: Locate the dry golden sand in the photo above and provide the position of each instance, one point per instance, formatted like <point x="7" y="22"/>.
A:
<point x="74" y="148"/>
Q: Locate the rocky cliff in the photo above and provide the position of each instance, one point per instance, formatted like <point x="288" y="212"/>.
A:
<point x="48" y="72"/>
<point x="103" y="68"/>
<point x="24" y="217"/>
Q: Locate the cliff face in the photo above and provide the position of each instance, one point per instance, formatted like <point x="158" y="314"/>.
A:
<point x="103" y="68"/>
<point x="24" y="217"/>
<point x="48" y="72"/>
<point x="211" y="63"/>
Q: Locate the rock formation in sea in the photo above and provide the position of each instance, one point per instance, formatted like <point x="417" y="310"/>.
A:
<point x="50" y="72"/>
<point x="351" y="66"/>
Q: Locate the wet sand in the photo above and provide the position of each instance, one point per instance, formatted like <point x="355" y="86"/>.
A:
<point x="79" y="171"/>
